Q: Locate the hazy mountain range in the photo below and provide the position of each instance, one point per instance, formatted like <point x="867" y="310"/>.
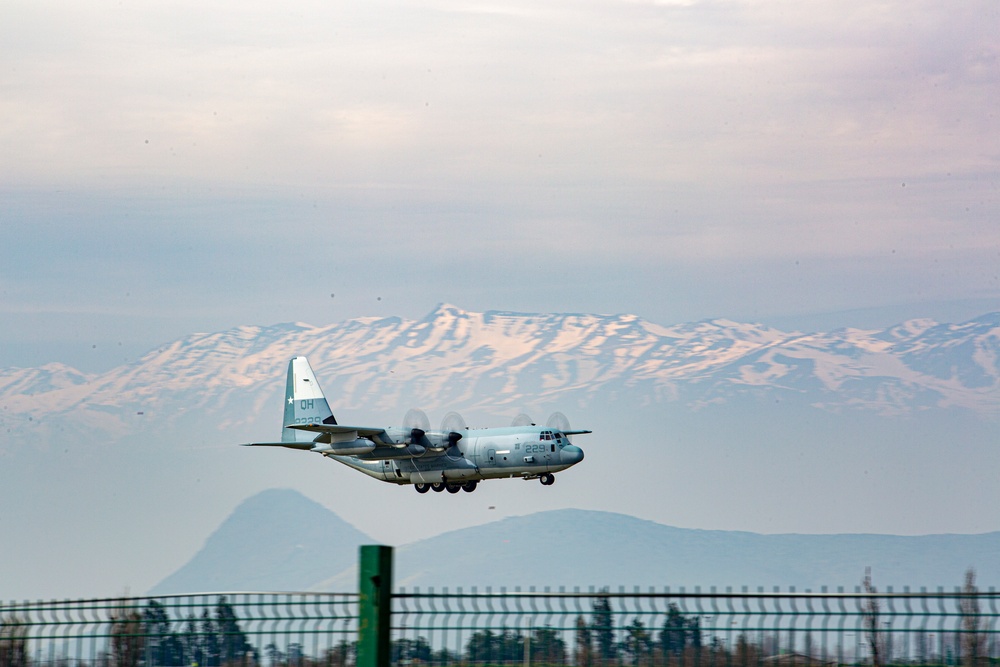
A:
<point x="281" y="540"/>
<point x="498" y="360"/>
<point x="712" y="424"/>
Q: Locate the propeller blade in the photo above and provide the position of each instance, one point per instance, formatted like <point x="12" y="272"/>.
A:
<point x="453" y="422"/>
<point x="455" y="427"/>
<point x="418" y="424"/>
<point x="416" y="418"/>
<point x="522" y="420"/>
<point x="558" y="421"/>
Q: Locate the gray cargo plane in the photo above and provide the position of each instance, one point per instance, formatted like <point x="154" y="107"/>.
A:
<point x="453" y="459"/>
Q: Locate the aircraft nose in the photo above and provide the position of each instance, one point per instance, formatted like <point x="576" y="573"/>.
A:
<point x="571" y="454"/>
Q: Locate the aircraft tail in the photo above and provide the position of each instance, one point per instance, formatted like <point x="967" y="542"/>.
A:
<point x="304" y="402"/>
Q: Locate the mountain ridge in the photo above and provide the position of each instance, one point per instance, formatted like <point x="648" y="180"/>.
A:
<point x="499" y="360"/>
<point x="580" y="548"/>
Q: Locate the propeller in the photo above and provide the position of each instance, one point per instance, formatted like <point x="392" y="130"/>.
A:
<point x="455" y="427"/>
<point x="558" y="422"/>
<point x="522" y="420"/>
<point x="418" y="424"/>
<point x="453" y="423"/>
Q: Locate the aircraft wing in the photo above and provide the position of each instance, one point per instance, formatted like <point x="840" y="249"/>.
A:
<point x="376" y="433"/>
<point x="580" y="432"/>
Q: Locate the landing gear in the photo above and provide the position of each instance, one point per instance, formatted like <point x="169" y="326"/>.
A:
<point x="548" y="479"/>
<point x="452" y="487"/>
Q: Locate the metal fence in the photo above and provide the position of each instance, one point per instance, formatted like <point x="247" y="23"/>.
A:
<point x="595" y="628"/>
<point x="376" y="627"/>
<point x="701" y="629"/>
<point x="207" y="630"/>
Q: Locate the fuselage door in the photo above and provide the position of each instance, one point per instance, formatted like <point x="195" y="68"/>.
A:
<point x="491" y="455"/>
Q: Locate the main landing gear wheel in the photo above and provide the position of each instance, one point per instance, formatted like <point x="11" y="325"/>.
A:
<point x="422" y="488"/>
<point x="548" y="479"/>
<point x="438" y="486"/>
<point x="454" y="488"/>
<point x="469" y="487"/>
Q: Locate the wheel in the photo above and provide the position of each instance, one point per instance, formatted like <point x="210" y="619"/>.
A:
<point x="548" y="479"/>
<point x="469" y="487"/>
<point x="422" y="488"/>
<point x="438" y="486"/>
<point x="454" y="488"/>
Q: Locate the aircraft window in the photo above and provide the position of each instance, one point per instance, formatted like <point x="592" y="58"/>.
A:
<point x="553" y="448"/>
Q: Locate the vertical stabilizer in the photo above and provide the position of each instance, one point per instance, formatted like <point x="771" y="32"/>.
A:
<point x="304" y="402"/>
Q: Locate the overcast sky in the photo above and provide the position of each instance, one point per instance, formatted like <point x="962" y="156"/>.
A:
<point x="170" y="167"/>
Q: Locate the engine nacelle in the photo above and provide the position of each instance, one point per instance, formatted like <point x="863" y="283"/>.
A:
<point x="352" y="448"/>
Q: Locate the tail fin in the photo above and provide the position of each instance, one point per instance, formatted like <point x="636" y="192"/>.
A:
<point x="304" y="402"/>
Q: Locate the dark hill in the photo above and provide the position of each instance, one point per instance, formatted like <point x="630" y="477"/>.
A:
<point x="585" y="548"/>
<point x="280" y="540"/>
<point x="276" y="540"/>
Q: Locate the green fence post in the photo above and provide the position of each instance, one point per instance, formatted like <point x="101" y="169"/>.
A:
<point x="374" y="605"/>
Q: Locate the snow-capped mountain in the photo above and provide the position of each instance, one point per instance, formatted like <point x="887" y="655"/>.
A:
<point x="707" y="424"/>
<point x="496" y="361"/>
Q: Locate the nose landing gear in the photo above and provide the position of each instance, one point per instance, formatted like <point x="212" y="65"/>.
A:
<point x="547" y="479"/>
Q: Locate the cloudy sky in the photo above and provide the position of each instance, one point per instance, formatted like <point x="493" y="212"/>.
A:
<point x="169" y="167"/>
<point x="174" y="167"/>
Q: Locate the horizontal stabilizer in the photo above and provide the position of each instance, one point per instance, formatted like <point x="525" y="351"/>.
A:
<point x="290" y="445"/>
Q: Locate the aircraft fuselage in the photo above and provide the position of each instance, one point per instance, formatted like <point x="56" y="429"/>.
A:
<point x="492" y="453"/>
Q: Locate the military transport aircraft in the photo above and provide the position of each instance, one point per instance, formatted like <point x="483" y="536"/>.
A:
<point x="454" y="458"/>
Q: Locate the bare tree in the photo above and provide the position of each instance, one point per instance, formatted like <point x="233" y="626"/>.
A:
<point x="870" y="613"/>
<point x="584" y="653"/>
<point x="973" y="637"/>
<point x="128" y="638"/>
<point x="13" y="642"/>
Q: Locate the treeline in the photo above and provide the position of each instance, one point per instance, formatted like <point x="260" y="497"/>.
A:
<point x="146" y="637"/>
